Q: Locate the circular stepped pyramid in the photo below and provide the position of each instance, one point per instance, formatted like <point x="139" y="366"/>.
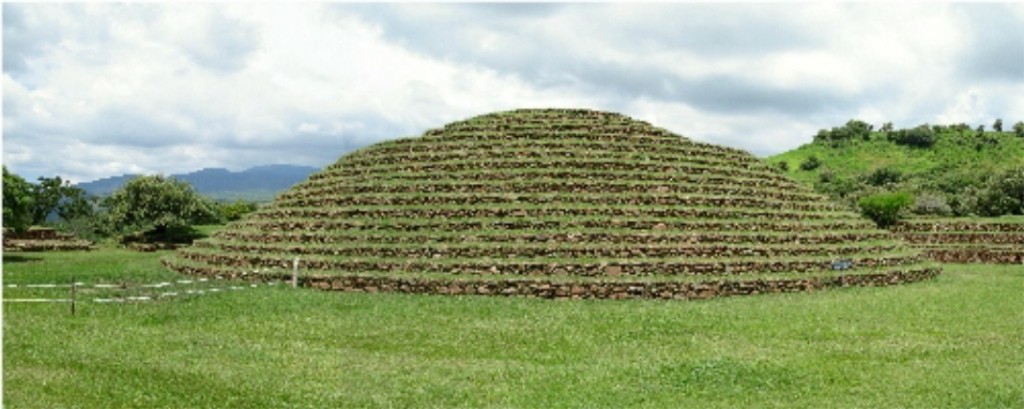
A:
<point x="555" y="203"/>
<point x="997" y="240"/>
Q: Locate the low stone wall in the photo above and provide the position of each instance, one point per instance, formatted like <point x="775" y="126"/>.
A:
<point x="46" y="245"/>
<point x="42" y="240"/>
<point x="589" y="290"/>
<point x="976" y="256"/>
<point x="34" y="234"/>
<point x="609" y="290"/>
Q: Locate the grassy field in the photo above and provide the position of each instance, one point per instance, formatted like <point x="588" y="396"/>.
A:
<point x="957" y="341"/>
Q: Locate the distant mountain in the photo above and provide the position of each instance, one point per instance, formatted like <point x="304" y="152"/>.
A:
<point x="259" y="184"/>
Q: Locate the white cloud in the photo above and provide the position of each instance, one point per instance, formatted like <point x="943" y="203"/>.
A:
<point x="99" y="89"/>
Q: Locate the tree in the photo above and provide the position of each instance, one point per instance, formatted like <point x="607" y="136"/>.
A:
<point x="53" y="195"/>
<point x="1018" y="129"/>
<point x="45" y="195"/>
<point x="75" y="204"/>
<point x="159" y="204"/>
<point x="17" y="202"/>
<point x="998" y="125"/>
<point x="885" y="208"/>
<point x="887" y="127"/>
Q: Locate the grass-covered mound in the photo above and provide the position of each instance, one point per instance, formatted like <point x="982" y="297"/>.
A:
<point x="555" y="203"/>
<point x="967" y="240"/>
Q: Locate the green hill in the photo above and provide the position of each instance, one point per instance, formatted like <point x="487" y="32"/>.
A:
<point x="949" y="170"/>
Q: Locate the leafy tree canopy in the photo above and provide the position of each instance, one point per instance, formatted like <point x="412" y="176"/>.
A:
<point x="157" y="203"/>
<point x="54" y="195"/>
<point x="17" y="202"/>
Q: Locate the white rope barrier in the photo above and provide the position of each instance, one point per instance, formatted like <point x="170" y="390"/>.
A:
<point x="139" y="298"/>
<point x="109" y="285"/>
<point x="34" y="300"/>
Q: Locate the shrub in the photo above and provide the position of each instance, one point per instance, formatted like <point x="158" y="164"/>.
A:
<point x="234" y="211"/>
<point x="921" y="136"/>
<point x="1003" y="194"/>
<point x="91" y="227"/>
<point x="932" y="204"/>
<point x="854" y="129"/>
<point x="826" y="176"/>
<point x="811" y="163"/>
<point x="885" y="208"/>
<point x="965" y="202"/>
<point x="836" y="186"/>
<point x="783" y="166"/>
<point x="883" y="176"/>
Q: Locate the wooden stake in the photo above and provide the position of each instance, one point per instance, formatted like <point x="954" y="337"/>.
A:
<point x="295" y="272"/>
<point x="73" y="287"/>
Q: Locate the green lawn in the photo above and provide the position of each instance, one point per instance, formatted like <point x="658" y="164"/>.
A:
<point x="957" y="341"/>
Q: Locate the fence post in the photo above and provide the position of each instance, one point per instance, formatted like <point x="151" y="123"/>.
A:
<point x="295" y="272"/>
<point x="73" y="288"/>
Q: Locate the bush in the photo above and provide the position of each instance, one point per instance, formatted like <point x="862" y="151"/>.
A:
<point x="234" y="211"/>
<point x="854" y="129"/>
<point x="783" y="166"/>
<point x="921" y="136"/>
<point x="885" y="208"/>
<point x="1003" y="194"/>
<point x="826" y="176"/>
<point x="965" y="203"/>
<point x="933" y="205"/>
<point x="811" y="163"/>
<point x="883" y="176"/>
<point x="88" y="227"/>
<point x="836" y="186"/>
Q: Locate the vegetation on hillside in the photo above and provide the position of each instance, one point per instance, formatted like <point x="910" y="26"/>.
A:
<point x="154" y="207"/>
<point x="951" y="170"/>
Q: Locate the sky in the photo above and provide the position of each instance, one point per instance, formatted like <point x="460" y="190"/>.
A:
<point x="104" y="89"/>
